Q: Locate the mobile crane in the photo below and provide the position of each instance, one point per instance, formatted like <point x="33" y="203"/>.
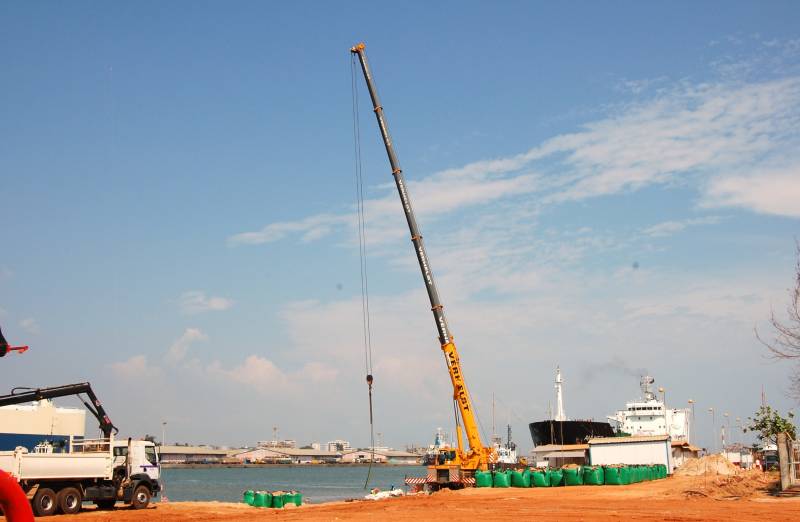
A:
<point x="99" y="470"/>
<point x="451" y="467"/>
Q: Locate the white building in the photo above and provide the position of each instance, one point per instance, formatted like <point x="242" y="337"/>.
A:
<point x="653" y="449"/>
<point x="287" y="456"/>
<point x="338" y="445"/>
<point x="384" y="456"/>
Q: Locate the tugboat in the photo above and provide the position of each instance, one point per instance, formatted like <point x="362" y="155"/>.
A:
<point x="562" y="431"/>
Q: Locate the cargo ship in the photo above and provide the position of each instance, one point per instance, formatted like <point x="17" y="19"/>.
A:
<point x="562" y="431"/>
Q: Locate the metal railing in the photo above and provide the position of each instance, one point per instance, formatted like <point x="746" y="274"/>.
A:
<point x="90" y="446"/>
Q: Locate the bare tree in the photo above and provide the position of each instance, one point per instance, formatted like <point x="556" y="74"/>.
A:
<point x="785" y="342"/>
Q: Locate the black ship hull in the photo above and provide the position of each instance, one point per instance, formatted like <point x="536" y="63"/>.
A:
<point x="568" y="432"/>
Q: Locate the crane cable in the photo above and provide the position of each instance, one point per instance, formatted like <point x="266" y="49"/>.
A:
<point x="362" y="251"/>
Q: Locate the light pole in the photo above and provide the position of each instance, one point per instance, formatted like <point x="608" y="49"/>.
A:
<point x="691" y="404"/>
<point x="741" y="434"/>
<point x="713" y="428"/>
<point x="163" y="433"/>
<point x="726" y="433"/>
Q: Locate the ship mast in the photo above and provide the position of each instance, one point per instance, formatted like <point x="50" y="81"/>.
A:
<point x="559" y="397"/>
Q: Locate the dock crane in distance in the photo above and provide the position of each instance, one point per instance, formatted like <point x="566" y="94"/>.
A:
<point x="451" y="467"/>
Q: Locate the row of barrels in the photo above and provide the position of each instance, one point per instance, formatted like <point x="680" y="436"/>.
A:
<point x="570" y="476"/>
<point x="272" y="499"/>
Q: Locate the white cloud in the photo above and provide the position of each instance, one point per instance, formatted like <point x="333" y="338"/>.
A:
<point x="30" y="325"/>
<point x="135" y="368"/>
<point x="725" y="139"/>
<point x="774" y="192"/>
<point x="196" y="301"/>
<point x="668" y="228"/>
<point x="311" y="228"/>
<point x="263" y="376"/>
<point x="178" y="350"/>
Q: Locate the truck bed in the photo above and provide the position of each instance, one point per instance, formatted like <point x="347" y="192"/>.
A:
<point x="44" y="466"/>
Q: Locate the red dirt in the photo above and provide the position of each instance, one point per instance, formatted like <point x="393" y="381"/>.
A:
<point x="741" y="497"/>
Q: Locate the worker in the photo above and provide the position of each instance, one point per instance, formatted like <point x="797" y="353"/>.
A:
<point x="3" y="344"/>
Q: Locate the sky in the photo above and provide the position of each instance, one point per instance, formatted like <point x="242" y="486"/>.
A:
<point x="612" y="189"/>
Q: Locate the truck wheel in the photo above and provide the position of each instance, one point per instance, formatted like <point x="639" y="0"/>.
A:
<point x="141" y="497"/>
<point x="69" y="500"/>
<point x="106" y="503"/>
<point x="44" y="502"/>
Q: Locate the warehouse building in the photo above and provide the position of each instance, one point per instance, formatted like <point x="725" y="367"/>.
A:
<point x="652" y="449"/>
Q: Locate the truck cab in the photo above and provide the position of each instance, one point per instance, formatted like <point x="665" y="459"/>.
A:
<point x="144" y="458"/>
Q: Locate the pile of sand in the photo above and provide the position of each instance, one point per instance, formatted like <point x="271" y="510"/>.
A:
<point x="708" y="465"/>
<point x="743" y="485"/>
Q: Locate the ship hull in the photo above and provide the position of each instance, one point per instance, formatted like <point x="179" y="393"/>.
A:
<point x="568" y="432"/>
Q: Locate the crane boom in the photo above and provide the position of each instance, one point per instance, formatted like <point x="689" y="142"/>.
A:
<point x="478" y="454"/>
<point x="38" y="394"/>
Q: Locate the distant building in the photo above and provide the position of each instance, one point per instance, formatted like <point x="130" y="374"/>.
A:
<point x="338" y="445"/>
<point x="739" y="455"/>
<point x="382" y="455"/>
<point x="287" y="443"/>
<point x="194" y="454"/>
<point x="557" y="455"/>
<point x="683" y="451"/>
<point x="287" y="456"/>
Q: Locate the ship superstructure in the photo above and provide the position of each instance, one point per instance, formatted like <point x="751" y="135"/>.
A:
<point x="650" y="416"/>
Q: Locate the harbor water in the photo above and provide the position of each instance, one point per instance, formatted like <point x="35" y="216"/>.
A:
<point x="317" y="483"/>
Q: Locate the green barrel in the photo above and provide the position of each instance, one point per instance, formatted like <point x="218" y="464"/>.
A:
<point x="483" y="479"/>
<point x="612" y="476"/>
<point x="593" y="475"/>
<point x="289" y="498"/>
<point x="501" y="479"/>
<point x="541" y="478"/>
<point x="262" y="499"/>
<point x="663" y="469"/>
<point x="298" y="498"/>
<point x="520" y="479"/>
<point x="277" y="499"/>
<point x="573" y="476"/>
<point x="248" y="497"/>
<point x="556" y="477"/>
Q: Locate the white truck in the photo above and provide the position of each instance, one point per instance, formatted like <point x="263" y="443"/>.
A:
<point x="103" y="471"/>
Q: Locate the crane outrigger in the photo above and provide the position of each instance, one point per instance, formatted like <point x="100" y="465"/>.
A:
<point x="451" y="466"/>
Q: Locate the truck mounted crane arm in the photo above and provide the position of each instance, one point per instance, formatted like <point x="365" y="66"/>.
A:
<point x="478" y="454"/>
<point x="23" y="395"/>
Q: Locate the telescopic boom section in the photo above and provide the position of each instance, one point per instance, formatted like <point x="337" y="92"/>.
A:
<point x="460" y="394"/>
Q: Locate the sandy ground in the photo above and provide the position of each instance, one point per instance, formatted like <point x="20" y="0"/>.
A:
<point x="741" y="497"/>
